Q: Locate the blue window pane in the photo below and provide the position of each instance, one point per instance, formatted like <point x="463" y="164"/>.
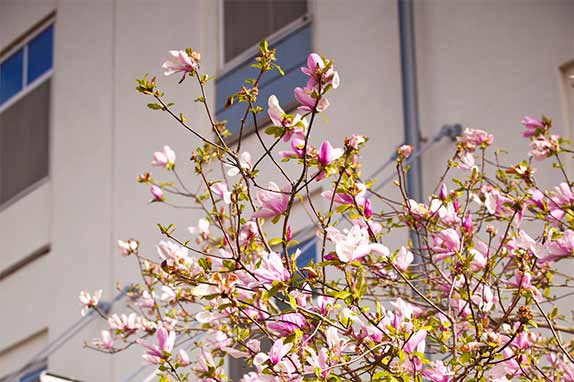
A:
<point x="308" y="253"/>
<point x="33" y="376"/>
<point x="11" y="76"/>
<point x="40" y="54"/>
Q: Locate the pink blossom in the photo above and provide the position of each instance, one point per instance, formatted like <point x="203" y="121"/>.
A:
<point x="495" y="202"/>
<point x="125" y="323"/>
<point x="156" y="352"/>
<point x="298" y="147"/>
<point x="272" y="202"/>
<point x="416" y="342"/>
<point x="308" y="103"/>
<point x="341" y="198"/>
<point x="248" y="232"/>
<point x="179" y="61"/>
<point x="220" y="189"/>
<point x="355" y="141"/>
<point x="471" y="139"/>
<point x="295" y="125"/>
<point x="286" y="324"/>
<point x="89" y="300"/>
<point x="157" y="193"/>
<point x="404" y="259"/>
<point x="182" y="358"/>
<point x="542" y="147"/>
<point x="523" y="281"/>
<point x="244" y="163"/>
<point x="272" y="269"/>
<point x="561" y="247"/>
<point x="467" y="161"/>
<point x="128" y="247"/>
<point x="484" y="298"/>
<point x="328" y="154"/>
<point x="315" y="65"/>
<point x="165" y="158"/>
<point x="405" y="151"/>
<point x="443" y="192"/>
<point x="533" y="126"/>
<point x="201" y="229"/>
<point x="105" y="341"/>
<point x="318" y="361"/>
<point x="354" y="244"/>
<point x="563" y="195"/>
<point x="438" y="372"/>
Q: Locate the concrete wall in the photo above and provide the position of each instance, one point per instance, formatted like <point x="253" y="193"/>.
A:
<point x="481" y="63"/>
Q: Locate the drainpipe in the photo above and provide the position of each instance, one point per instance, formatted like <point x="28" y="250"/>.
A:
<point x="410" y="98"/>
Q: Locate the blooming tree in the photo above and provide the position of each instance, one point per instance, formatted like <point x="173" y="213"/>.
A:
<point x="472" y="296"/>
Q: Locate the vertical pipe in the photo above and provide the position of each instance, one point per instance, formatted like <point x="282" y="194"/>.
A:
<point x="410" y="97"/>
<point x="410" y="103"/>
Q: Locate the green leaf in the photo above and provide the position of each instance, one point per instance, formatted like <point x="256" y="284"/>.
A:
<point x="155" y="106"/>
<point x="275" y="241"/>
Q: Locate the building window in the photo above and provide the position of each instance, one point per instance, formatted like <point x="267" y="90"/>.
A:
<point x="33" y="376"/>
<point x="286" y="25"/>
<point x="25" y="113"/>
<point x="264" y="17"/>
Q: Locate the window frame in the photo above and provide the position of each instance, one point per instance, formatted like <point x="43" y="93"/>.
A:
<point x="22" y="43"/>
<point x="224" y="67"/>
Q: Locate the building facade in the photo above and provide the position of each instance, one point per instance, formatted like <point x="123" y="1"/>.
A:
<point x="74" y="134"/>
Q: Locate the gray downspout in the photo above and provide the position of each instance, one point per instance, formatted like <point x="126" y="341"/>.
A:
<point x="410" y="97"/>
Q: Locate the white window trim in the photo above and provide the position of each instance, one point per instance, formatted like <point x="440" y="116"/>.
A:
<point x="27" y="88"/>
<point x="226" y="67"/>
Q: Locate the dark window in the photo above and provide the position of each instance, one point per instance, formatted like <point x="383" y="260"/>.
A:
<point x="40" y="54"/>
<point x="25" y="114"/>
<point x="11" y="76"/>
<point x="33" y="376"/>
<point x="24" y="142"/>
<point x="249" y="21"/>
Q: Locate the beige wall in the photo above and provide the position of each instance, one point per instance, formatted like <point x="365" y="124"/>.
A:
<point x="481" y="63"/>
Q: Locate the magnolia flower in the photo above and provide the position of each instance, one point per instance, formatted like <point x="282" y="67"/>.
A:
<point x="296" y="126"/>
<point x="308" y="103"/>
<point x="438" y="372"/>
<point x="180" y="61"/>
<point x="276" y="354"/>
<point x="165" y="158"/>
<point x="405" y="151"/>
<point x="286" y="324"/>
<point x="105" y="341"/>
<point x="157" y="193"/>
<point x="533" y="126"/>
<point x="485" y="298"/>
<point x="89" y="301"/>
<point x="201" y="229"/>
<point x="157" y="352"/>
<point x="542" y="147"/>
<point x="315" y="65"/>
<point x="318" y="361"/>
<point x="272" y="201"/>
<point x="272" y="269"/>
<point x="298" y="147"/>
<point x="471" y="139"/>
<point x="328" y="154"/>
<point x="244" y="162"/>
<point x="403" y="259"/>
<point x="220" y="189"/>
<point x="354" y="244"/>
<point x="122" y="322"/>
<point x="416" y="342"/>
<point x="128" y="247"/>
<point x="182" y="358"/>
